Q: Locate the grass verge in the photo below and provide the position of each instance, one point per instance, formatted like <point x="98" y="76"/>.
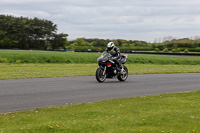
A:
<point x="167" y="113"/>
<point x="20" y="71"/>
<point x="24" y="57"/>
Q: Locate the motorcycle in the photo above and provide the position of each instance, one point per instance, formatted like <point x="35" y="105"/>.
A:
<point x="109" y="69"/>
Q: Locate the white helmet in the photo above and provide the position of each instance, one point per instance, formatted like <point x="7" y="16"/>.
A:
<point x="110" y="46"/>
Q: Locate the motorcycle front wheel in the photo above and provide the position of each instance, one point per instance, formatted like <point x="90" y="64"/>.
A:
<point x="99" y="75"/>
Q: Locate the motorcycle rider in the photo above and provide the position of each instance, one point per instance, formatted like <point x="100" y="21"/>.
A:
<point x="115" y="52"/>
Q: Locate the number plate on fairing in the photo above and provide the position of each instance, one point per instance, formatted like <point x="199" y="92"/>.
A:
<point x="108" y="65"/>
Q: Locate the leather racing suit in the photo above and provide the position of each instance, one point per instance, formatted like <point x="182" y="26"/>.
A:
<point x="115" y="52"/>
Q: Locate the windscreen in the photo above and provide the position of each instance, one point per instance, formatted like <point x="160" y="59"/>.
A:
<point x="104" y="56"/>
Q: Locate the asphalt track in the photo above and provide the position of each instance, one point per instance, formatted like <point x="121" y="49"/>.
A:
<point x="25" y="94"/>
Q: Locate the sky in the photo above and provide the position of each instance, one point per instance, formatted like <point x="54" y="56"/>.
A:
<point x="145" y="20"/>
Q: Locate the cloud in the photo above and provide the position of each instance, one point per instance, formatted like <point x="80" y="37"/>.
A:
<point x="128" y="19"/>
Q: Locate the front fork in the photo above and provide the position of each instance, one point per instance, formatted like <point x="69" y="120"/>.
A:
<point x="104" y="70"/>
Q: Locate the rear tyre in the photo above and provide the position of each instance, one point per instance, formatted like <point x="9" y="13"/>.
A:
<point x="124" y="76"/>
<point x="99" y="75"/>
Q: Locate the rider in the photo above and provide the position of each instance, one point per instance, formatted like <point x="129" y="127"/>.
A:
<point x="115" y="52"/>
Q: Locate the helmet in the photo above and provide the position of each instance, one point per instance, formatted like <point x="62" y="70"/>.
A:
<point x="110" y="46"/>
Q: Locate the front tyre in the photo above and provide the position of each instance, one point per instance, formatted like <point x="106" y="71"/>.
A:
<point x="124" y="76"/>
<point x="99" y="75"/>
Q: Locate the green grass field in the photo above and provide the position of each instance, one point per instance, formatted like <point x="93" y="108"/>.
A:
<point x="9" y="56"/>
<point x="165" y="113"/>
<point x="40" y="64"/>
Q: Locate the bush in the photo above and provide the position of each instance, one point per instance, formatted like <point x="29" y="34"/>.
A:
<point x="157" y="49"/>
<point x="194" y="49"/>
<point x="186" y="51"/>
<point x="173" y="50"/>
<point x="166" y="50"/>
<point x="178" y="50"/>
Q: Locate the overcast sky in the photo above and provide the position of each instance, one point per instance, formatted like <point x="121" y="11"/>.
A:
<point x="113" y="19"/>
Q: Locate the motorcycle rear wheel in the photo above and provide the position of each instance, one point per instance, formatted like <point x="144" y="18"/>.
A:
<point x="123" y="77"/>
<point x="99" y="75"/>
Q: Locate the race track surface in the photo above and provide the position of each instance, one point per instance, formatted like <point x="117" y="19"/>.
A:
<point x="25" y="94"/>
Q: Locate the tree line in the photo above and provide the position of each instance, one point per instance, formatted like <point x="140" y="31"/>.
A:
<point x="27" y="33"/>
<point x="35" y="33"/>
<point x="178" y="45"/>
<point x="175" y="45"/>
<point x="95" y="44"/>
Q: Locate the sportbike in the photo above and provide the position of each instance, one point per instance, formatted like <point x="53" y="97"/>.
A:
<point x="109" y="69"/>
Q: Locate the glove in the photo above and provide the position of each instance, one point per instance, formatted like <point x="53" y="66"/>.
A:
<point x="114" y="58"/>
